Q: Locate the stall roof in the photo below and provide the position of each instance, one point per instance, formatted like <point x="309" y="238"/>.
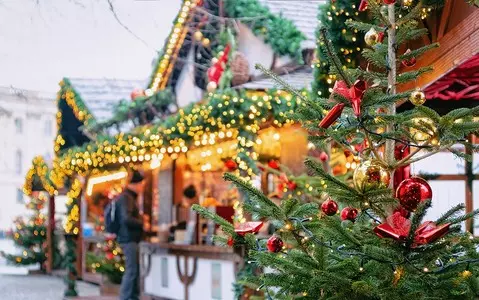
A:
<point x="303" y="13"/>
<point x="300" y="79"/>
<point x="101" y="95"/>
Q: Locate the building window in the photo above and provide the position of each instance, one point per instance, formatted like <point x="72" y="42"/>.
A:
<point x="47" y="130"/>
<point x="20" y="196"/>
<point x="18" y="162"/>
<point x="18" y="125"/>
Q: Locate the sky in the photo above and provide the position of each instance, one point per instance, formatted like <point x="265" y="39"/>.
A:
<point x="42" y="41"/>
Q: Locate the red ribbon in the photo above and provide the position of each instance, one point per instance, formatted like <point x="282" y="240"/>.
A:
<point x="332" y="115"/>
<point x="397" y="227"/>
<point x="354" y="93"/>
<point x="216" y="70"/>
<point x="248" y="227"/>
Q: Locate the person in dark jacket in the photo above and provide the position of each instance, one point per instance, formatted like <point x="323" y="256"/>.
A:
<point x="129" y="236"/>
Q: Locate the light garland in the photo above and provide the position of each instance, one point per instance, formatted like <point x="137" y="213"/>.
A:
<point x="40" y="170"/>
<point x="71" y="225"/>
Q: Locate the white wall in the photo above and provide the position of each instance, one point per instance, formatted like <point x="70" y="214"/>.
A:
<point x="37" y="114"/>
<point x="186" y="90"/>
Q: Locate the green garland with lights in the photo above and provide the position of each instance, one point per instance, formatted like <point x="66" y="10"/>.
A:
<point x="39" y="177"/>
<point x="240" y="111"/>
<point x="278" y="32"/>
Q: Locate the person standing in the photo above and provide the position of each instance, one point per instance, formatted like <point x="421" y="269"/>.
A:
<point x="129" y="236"/>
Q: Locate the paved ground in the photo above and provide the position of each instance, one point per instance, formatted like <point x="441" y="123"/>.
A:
<point x="39" y="287"/>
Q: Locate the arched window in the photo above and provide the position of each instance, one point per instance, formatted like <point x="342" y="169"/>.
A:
<point x="18" y="162"/>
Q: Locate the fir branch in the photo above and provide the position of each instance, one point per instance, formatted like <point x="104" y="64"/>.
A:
<point x="412" y="75"/>
<point x="416" y="220"/>
<point x="463" y="218"/>
<point x="206" y="213"/>
<point x="317" y="167"/>
<point x="450" y="213"/>
<point x="334" y="60"/>
<point x="283" y="83"/>
<point x="418" y="52"/>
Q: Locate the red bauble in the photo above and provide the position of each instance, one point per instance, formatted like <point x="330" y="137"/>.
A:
<point x="273" y="164"/>
<point x="109" y="256"/>
<point x="323" y="156"/>
<point x="389" y="1"/>
<point x="231" y="165"/>
<point x="380" y="36"/>
<point x="412" y="191"/>
<point x="231" y="241"/>
<point x="349" y="213"/>
<point x="363" y="5"/>
<point x="329" y="207"/>
<point x="274" y="244"/>
<point x="410" y="62"/>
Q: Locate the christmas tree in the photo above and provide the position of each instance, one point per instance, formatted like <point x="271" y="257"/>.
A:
<point x="30" y="235"/>
<point x="366" y="238"/>
<point x="109" y="260"/>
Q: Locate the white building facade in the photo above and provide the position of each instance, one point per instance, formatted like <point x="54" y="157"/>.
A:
<point x="27" y="129"/>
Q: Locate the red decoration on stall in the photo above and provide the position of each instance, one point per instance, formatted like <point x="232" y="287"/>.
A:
<point x="412" y="191"/>
<point x="137" y="93"/>
<point x="216" y="70"/>
<point x="332" y="116"/>
<point x="397" y="227"/>
<point x="231" y="241"/>
<point x="273" y="164"/>
<point x="329" y="207"/>
<point x="274" y="244"/>
<point x="248" y="227"/>
<point x="349" y="213"/>
<point x="363" y="5"/>
<point x="231" y="165"/>
<point x="109" y="256"/>
<point x="410" y="62"/>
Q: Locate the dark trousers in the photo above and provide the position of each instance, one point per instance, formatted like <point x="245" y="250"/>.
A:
<point x="130" y="288"/>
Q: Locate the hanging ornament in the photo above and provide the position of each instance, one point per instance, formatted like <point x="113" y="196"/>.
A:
<point x="137" y="93"/>
<point x="397" y="227"/>
<point x="371" y="37"/>
<point x="273" y="164"/>
<point x="417" y="97"/>
<point x="198" y="35"/>
<point x="206" y="42"/>
<point x="332" y="116"/>
<point x="292" y="185"/>
<point x="370" y="175"/>
<point x="389" y="2"/>
<point x="231" y="241"/>
<point x="248" y="227"/>
<point x="231" y="165"/>
<point x="323" y="156"/>
<point x="274" y="244"/>
<point x="363" y="5"/>
<point x="349" y="213"/>
<point x="408" y="62"/>
<point x="329" y="207"/>
<point x="212" y="86"/>
<point x="412" y="191"/>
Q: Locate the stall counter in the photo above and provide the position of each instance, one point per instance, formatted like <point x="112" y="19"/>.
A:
<point x="189" y="272"/>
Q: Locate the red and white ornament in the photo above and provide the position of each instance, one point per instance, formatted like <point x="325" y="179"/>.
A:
<point x="413" y="191"/>
<point x="409" y="62"/>
<point x="274" y="244"/>
<point x="329" y="207"/>
<point x="349" y="213"/>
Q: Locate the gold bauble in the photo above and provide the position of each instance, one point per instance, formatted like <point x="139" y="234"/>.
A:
<point x="417" y="97"/>
<point x="211" y="87"/>
<point x="198" y="35"/>
<point x="371" y="37"/>
<point x="370" y="175"/>
<point x="206" y="42"/>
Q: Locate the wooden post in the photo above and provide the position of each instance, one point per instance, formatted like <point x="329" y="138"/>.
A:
<point x="469" y="181"/>
<point x="390" y="144"/>
<point x="50" y="234"/>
